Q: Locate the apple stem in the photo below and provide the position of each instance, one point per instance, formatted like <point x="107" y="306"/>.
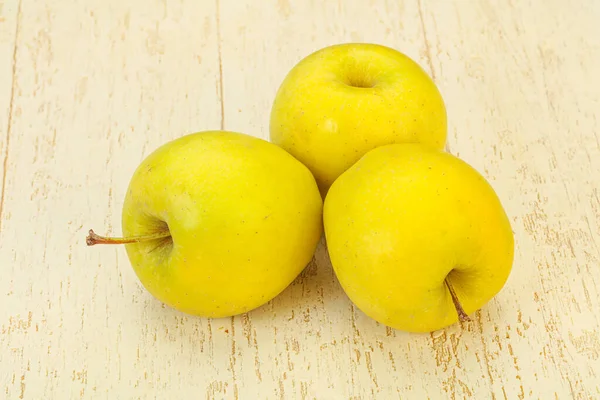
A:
<point x="93" y="239"/>
<point x="462" y="315"/>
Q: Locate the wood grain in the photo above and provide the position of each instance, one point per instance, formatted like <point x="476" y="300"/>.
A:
<point x="89" y="88"/>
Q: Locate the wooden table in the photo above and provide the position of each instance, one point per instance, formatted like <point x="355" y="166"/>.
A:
<point x="89" y="88"/>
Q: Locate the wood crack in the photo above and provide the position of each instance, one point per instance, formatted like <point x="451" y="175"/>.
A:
<point x="427" y="47"/>
<point x="428" y="58"/>
<point x="219" y="44"/>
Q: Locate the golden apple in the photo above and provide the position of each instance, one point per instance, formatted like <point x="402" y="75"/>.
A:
<point x="218" y="223"/>
<point x="417" y="237"/>
<point x="344" y="100"/>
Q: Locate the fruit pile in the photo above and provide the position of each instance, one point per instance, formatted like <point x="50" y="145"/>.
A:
<point x="218" y="223"/>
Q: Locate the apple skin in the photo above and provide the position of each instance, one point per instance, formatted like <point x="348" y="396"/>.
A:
<point x="245" y="218"/>
<point x="405" y="218"/>
<point x="344" y="100"/>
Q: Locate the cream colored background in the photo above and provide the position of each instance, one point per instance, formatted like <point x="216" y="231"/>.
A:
<point x="88" y="88"/>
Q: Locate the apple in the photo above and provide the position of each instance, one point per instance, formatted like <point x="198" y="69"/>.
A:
<point x="218" y="223"/>
<point x="417" y="237"/>
<point x="344" y="100"/>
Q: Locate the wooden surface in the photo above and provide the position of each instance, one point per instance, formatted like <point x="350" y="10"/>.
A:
<point x="89" y="88"/>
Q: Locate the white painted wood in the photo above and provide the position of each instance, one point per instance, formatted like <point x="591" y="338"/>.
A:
<point x="89" y="88"/>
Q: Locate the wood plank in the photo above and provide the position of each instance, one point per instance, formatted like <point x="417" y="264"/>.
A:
<point x="100" y="85"/>
<point x="9" y="24"/>
<point x="522" y="111"/>
<point x="323" y="347"/>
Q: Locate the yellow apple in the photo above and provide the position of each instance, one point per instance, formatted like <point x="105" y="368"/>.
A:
<point x="218" y="223"/>
<point x="417" y="237"/>
<point x="344" y="100"/>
